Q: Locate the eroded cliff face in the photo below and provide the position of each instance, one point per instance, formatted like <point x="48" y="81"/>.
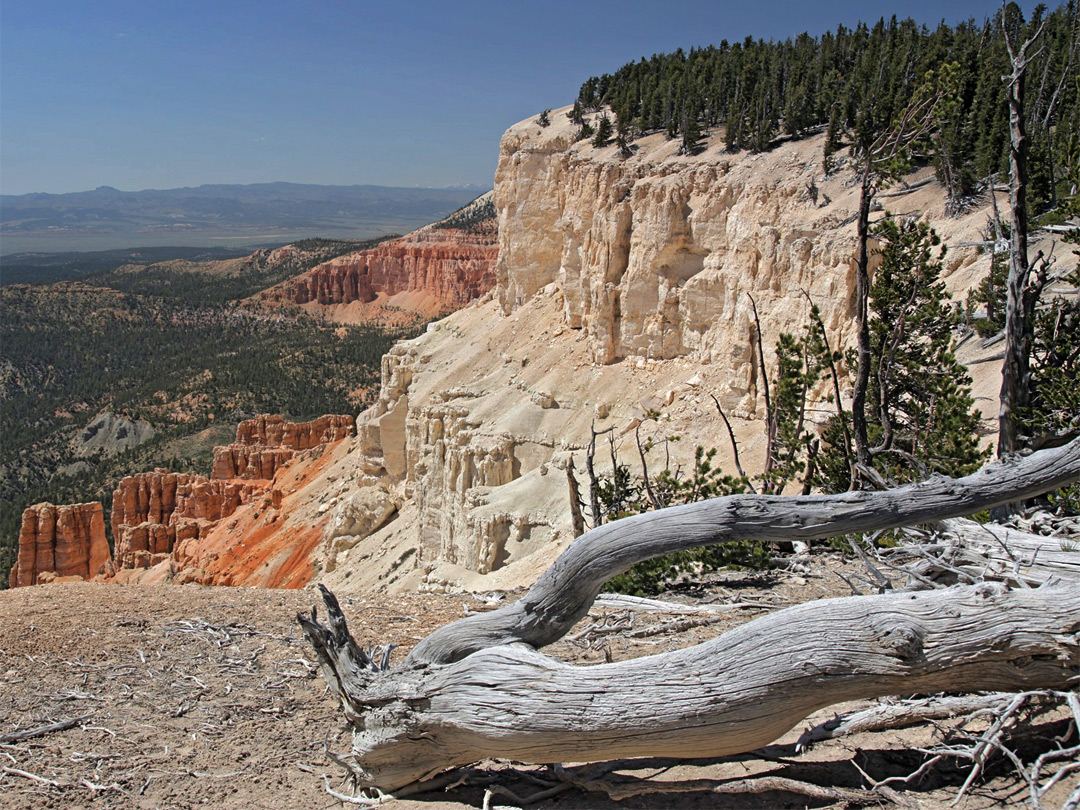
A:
<point x="253" y="524"/>
<point x="430" y="271"/>
<point x="153" y="511"/>
<point x="657" y="255"/>
<point x="625" y="288"/>
<point x="60" y="542"/>
<point x="276" y="431"/>
<point x="267" y="443"/>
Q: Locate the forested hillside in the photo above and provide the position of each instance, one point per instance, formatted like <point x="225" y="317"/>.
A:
<point x="854" y="83"/>
<point x="48" y="268"/>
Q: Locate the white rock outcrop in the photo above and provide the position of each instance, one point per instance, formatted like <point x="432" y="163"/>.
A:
<point x="623" y="289"/>
<point x="356" y="517"/>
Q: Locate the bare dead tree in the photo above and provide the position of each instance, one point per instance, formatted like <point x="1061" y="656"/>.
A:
<point x="844" y="430"/>
<point x="577" y="519"/>
<point x="879" y="161"/>
<point x="734" y="444"/>
<point x="770" y="414"/>
<point x="479" y="688"/>
<point x="594" y="481"/>
<point x="642" y="450"/>
<point x="1020" y="299"/>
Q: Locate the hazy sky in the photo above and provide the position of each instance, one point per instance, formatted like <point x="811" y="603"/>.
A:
<point x="151" y="94"/>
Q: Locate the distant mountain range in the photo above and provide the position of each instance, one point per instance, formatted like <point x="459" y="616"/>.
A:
<point x="217" y="215"/>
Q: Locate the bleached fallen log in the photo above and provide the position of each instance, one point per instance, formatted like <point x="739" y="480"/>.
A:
<point x="564" y="592"/>
<point x="642" y="604"/>
<point x="1016" y="554"/>
<point x="964" y="551"/>
<point x="907" y="189"/>
<point x="735" y="693"/>
<point x="897" y="715"/>
<point x="479" y="688"/>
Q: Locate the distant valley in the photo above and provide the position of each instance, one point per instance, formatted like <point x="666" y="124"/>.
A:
<point x="141" y="359"/>
<point x="48" y="268"/>
<point x="219" y="216"/>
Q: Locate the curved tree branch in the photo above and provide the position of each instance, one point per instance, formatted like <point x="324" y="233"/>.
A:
<point x="479" y="688"/>
<point x="564" y="593"/>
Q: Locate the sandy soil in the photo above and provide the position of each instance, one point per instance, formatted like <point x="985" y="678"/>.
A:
<point x="188" y="696"/>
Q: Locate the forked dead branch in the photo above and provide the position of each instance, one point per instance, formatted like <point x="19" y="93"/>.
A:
<point x="479" y="688"/>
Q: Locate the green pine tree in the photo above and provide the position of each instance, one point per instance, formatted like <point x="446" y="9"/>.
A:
<point x="920" y="412"/>
<point x="604" y="129"/>
<point x="791" y="447"/>
<point x="921" y="392"/>
<point x="990" y="292"/>
<point x="691" y="136"/>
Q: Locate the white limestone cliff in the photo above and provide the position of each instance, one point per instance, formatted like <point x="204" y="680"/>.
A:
<point x="624" y="287"/>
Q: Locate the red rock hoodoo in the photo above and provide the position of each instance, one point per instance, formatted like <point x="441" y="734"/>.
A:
<point x="156" y="514"/>
<point x="249" y="461"/>
<point x="267" y="443"/>
<point x="153" y="511"/>
<point x="60" y="541"/>
<point x="276" y="431"/>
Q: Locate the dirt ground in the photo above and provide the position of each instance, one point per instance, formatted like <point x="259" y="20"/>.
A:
<point x="184" y="696"/>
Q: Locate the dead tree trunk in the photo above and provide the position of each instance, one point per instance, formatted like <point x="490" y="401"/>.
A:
<point x="1019" y="306"/>
<point x="862" y="321"/>
<point x="478" y="688"/>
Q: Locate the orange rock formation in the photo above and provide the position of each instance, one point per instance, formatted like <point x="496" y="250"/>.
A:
<point x="267" y="443"/>
<point x="60" y="541"/>
<point x="251" y="462"/>
<point x="223" y="530"/>
<point x="275" y="430"/>
<point x="263" y="545"/>
<point x="450" y="267"/>
<point x="159" y="516"/>
<point x="153" y="511"/>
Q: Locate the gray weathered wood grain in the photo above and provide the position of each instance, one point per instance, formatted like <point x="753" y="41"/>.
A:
<point x="735" y="693"/>
<point x="479" y="688"/>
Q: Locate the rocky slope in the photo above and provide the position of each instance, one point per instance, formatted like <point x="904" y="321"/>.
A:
<point x="111" y="433"/>
<point x="625" y="287"/>
<point x="433" y="270"/>
<point x="223" y="530"/>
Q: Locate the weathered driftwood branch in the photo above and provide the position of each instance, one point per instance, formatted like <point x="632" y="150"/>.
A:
<point x="961" y="551"/>
<point x="473" y="690"/>
<point x="898" y="715"/>
<point x="564" y="593"/>
<point x="735" y="693"/>
<point x="31" y="733"/>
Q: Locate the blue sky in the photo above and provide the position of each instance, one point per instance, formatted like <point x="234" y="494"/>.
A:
<point x="153" y="94"/>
